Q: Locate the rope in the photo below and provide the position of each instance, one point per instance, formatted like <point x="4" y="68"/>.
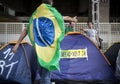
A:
<point x="26" y="56"/>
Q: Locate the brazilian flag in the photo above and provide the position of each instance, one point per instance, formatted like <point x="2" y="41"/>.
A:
<point x="46" y="30"/>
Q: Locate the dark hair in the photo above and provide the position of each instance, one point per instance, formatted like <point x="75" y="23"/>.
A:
<point x="47" y="1"/>
<point x="89" y="22"/>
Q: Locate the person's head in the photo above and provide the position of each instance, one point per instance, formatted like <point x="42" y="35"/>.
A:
<point x="90" y="24"/>
<point x="48" y="2"/>
<point x="72" y="24"/>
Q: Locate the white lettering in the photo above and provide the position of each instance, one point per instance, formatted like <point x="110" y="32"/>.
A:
<point x="2" y="64"/>
<point x="11" y="54"/>
<point x="8" y="53"/>
<point x="11" y="66"/>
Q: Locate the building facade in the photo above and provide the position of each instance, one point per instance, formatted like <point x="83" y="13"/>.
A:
<point x="108" y="9"/>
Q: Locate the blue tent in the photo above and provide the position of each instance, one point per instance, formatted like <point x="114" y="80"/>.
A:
<point x="19" y="67"/>
<point x="81" y="60"/>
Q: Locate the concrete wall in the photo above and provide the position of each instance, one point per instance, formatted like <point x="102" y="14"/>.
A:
<point x="104" y="10"/>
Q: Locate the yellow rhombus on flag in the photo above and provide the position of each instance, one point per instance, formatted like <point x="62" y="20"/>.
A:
<point x="46" y="30"/>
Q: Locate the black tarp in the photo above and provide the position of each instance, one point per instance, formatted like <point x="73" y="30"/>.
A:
<point x="112" y="53"/>
<point x="117" y="71"/>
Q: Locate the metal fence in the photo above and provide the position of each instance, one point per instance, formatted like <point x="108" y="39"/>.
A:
<point x="109" y="32"/>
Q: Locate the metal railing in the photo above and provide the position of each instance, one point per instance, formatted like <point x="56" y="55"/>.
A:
<point x="109" y="32"/>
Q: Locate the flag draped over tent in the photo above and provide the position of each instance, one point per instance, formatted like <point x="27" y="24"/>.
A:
<point x="46" y="30"/>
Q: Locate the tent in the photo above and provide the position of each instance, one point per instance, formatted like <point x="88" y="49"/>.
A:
<point x="117" y="71"/>
<point x="112" y="53"/>
<point x="82" y="62"/>
<point x="19" y="67"/>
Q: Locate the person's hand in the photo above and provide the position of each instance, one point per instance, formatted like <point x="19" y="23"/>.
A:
<point x="75" y="19"/>
<point x="15" y="48"/>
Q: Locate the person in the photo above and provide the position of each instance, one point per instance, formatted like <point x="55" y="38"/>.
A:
<point x="70" y="27"/>
<point x="45" y="74"/>
<point x="92" y="33"/>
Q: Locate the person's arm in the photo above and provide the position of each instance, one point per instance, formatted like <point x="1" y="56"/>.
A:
<point x="70" y="19"/>
<point x="97" y="38"/>
<point x="22" y="36"/>
<point x="83" y="30"/>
